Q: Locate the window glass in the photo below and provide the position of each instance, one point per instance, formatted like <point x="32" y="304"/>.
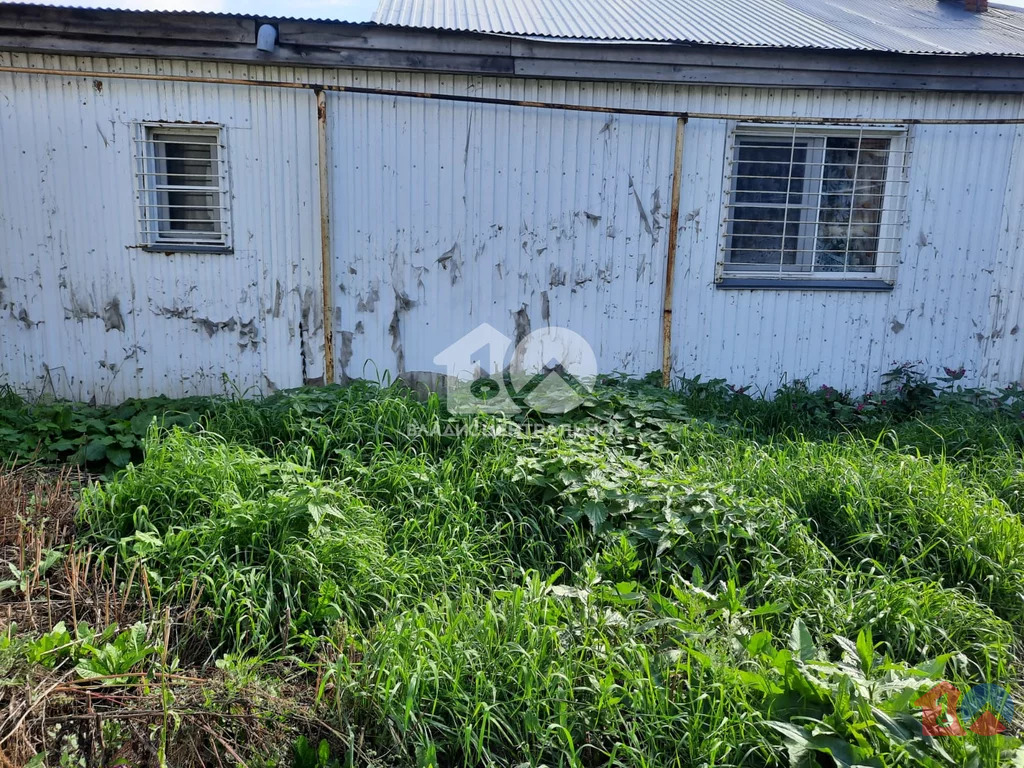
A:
<point x="182" y="196"/>
<point x="812" y="204"/>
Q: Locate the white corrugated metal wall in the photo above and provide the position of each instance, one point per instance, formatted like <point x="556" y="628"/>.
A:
<point x="84" y="312"/>
<point x="957" y="298"/>
<point x="446" y="215"/>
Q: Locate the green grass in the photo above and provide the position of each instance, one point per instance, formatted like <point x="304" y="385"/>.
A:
<point x="275" y="548"/>
<point x="687" y="578"/>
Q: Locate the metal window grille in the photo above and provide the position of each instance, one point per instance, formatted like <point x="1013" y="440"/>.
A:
<point x="182" y="188"/>
<point x="814" y="202"/>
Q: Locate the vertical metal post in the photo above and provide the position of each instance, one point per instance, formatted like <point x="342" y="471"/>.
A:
<point x="670" y="259"/>
<point x="325" y="236"/>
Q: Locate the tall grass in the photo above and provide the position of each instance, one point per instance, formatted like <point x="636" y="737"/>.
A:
<point x="552" y="678"/>
<point x="615" y="587"/>
<point x="275" y="549"/>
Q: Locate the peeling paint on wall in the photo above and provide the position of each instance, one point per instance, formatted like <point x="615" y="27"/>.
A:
<point x="521" y="320"/>
<point x="345" y="353"/>
<point x="113" y="320"/>
<point x="507" y="239"/>
<point x="88" y="315"/>
<point x="213" y="327"/>
<point x="23" y="318"/>
<point x="451" y="260"/>
<point x="402" y="305"/>
<point x="278" y="299"/>
<point x="248" y="334"/>
<point x="576" y="242"/>
<point x="369" y="303"/>
<point x="640" y="207"/>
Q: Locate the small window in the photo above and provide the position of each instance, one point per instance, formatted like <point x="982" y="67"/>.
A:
<point x="813" y="204"/>
<point x="182" y="186"/>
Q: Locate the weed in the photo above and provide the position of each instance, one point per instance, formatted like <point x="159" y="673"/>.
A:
<point x="659" y="578"/>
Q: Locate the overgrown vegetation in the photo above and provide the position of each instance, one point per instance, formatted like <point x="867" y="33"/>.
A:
<point x="102" y="437"/>
<point x="352" y="576"/>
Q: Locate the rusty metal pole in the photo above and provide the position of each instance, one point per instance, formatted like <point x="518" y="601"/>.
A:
<point x="325" y="235"/>
<point x="670" y="259"/>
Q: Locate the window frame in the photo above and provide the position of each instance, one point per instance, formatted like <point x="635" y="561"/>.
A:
<point x="890" y="225"/>
<point x="148" y="192"/>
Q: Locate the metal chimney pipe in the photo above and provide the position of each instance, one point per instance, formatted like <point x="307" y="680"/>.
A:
<point x="266" y="38"/>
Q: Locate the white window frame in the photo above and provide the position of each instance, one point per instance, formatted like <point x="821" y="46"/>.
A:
<point x="151" y="211"/>
<point x="890" y="224"/>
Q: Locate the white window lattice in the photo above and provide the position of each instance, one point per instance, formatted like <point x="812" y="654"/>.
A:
<point x="181" y="179"/>
<point x="813" y="203"/>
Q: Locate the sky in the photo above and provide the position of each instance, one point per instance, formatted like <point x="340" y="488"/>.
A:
<point x="346" y="10"/>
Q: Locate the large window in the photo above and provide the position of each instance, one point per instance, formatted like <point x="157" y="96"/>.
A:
<point x="813" y="204"/>
<point x="182" y="187"/>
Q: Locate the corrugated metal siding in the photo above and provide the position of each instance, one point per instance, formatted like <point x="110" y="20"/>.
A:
<point x="448" y="215"/>
<point x="86" y="314"/>
<point x="940" y="311"/>
<point x="966" y="198"/>
<point x="1003" y="348"/>
<point x="907" y="26"/>
<point x="958" y="298"/>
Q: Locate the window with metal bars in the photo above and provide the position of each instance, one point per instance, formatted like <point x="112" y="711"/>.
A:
<point x="820" y="203"/>
<point x="182" y="187"/>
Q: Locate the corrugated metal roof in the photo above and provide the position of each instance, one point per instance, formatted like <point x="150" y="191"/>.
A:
<point x="894" y="26"/>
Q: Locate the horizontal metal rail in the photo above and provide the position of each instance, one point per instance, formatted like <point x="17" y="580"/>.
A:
<point x="881" y="123"/>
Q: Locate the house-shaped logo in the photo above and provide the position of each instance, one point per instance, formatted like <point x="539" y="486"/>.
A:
<point x="551" y="371"/>
<point x="474" y="367"/>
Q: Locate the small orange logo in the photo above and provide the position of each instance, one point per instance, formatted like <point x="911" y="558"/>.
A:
<point x="939" y="711"/>
<point x="987" y="708"/>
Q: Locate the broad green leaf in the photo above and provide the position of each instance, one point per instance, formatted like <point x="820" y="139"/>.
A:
<point x="596" y="513"/>
<point x="97" y="448"/>
<point x="140" y="423"/>
<point x="119" y="457"/>
<point x="866" y="649"/>
<point x="801" y="642"/>
<point x="800" y="742"/>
